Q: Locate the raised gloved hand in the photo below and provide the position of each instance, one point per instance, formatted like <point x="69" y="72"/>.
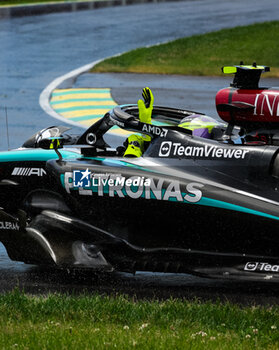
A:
<point x="135" y="144"/>
<point x="146" y="106"/>
<point x="145" y="109"/>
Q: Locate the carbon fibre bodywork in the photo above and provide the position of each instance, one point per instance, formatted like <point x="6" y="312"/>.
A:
<point x="190" y="204"/>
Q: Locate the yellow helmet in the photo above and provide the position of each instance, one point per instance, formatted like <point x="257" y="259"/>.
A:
<point x="135" y="146"/>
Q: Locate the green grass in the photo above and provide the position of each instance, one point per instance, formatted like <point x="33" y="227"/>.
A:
<point x="203" y="54"/>
<point x="96" y="322"/>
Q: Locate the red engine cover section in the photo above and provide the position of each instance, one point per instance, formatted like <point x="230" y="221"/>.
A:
<point x="265" y="102"/>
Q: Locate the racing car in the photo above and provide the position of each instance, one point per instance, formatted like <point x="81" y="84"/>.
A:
<point x="189" y="204"/>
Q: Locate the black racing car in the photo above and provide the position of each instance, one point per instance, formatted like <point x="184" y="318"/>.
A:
<point x="206" y="206"/>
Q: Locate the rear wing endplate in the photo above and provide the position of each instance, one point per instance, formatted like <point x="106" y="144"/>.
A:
<point x="246" y="76"/>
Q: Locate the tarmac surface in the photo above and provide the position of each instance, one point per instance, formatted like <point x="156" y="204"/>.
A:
<point x="142" y="285"/>
<point x="38" y="49"/>
<point x="186" y="92"/>
<point x="35" y="50"/>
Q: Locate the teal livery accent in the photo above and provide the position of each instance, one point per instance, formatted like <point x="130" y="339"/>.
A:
<point x="159" y="123"/>
<point x="209" y="202"/>
<point x="120" y="163"/>
<point x="36" y="154"/>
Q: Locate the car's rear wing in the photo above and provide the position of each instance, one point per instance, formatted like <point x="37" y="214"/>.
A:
<point x="246" y="76"/>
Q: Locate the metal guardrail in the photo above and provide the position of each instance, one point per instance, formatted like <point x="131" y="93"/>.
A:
<point x="40" y="9"/>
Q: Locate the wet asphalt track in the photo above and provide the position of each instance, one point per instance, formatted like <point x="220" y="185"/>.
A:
<point x="35" y="50"/>
<point x="145" y="286"/>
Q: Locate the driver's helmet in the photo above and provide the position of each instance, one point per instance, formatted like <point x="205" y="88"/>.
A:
<point x="200" y="125"/>
<point x="135" y="146"/>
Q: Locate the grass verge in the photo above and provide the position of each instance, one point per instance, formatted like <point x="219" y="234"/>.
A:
<point x="96" y="322"/>
<point x="204" y="54"/>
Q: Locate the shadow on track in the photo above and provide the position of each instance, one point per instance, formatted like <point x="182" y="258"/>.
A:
<point x="142" y="285"/>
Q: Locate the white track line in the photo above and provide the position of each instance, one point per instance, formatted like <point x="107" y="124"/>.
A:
<point x="46" y="93"/>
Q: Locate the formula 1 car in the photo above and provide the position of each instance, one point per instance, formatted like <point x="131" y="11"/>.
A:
<point x="205" y="206"/>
